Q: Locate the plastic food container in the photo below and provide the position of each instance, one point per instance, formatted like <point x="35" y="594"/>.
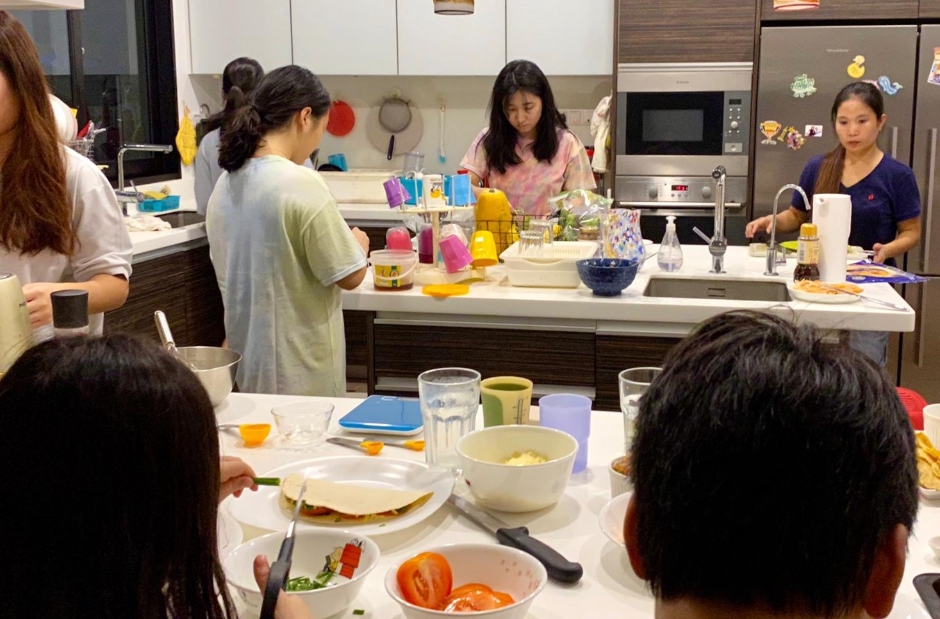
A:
<point x="557" y="268"/>
<point x="393" y="269"/>
<point x="168" y="203"/>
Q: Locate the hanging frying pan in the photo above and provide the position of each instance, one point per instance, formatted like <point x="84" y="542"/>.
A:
<point x="342" y="119"/>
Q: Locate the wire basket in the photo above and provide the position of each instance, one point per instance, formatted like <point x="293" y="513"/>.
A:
<point x="84" y="147"/>
<point x="506" y="231"/>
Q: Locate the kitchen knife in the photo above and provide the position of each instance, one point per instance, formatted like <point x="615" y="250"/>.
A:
<point x="557" y="566"/>
<point x="280" y="569"/>
<point x="927" y="586"/>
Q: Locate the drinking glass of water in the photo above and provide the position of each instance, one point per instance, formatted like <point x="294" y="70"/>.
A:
<point x="450" y="399"/>
<point x="633" y="384"/>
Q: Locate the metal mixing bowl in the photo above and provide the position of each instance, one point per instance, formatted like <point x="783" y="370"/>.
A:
<point x="216" y="369"/>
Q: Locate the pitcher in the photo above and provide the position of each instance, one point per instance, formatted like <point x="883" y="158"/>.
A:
<point x="622" y="235"/>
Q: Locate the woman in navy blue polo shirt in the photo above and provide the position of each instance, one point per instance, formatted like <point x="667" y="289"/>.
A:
<point x="885" y="198"/>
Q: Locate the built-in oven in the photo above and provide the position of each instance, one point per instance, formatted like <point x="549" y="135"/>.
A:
<point x="675" y="124"/>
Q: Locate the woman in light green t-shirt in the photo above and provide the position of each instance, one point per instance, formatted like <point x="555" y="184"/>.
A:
<point x="281" y="250"/>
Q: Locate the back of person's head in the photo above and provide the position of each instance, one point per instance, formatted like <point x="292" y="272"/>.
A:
<point x="500" y="141"/>
<point x="242" y="73"/>
<point x="113" y="510"/>
<point x="771" y="470"/>
<point x="36" y="214"/>
<point x="830" y="173"/>
<point x="282" y="94"/>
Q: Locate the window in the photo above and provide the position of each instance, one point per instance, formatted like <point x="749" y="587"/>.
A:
<point x="114" y="63"/>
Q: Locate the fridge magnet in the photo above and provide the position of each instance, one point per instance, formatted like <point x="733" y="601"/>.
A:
<point x="770" y="128"/>
<point x="856" y="70"/>
<point x="795" y="5"/>
<point x="887" y="86"/>
<point x="813" y="131"/>
<point x="934" y="76"/>
<point x="793" y="138"/>
<point x="803" y="86"/>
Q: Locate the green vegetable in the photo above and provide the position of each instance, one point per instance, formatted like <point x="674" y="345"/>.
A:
<point x="267" y="481"/>
<point x="359" y="611"/>
<point x="304" y="583"/>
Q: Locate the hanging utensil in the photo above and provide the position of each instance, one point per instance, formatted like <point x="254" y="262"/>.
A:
<point x="163" y="328"/>
<point x="441" y="156"/>
<point x="342" y="119"/>
<point x="394" y="116"/>
<point x="280" y="569"/>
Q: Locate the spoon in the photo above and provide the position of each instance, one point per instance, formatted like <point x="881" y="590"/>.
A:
<point x="163" y="328"/>
<point x="374" y="447"/>
<point x="252" y="433"/>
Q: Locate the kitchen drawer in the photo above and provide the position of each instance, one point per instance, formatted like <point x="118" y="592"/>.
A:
<point x="546" y="358"/>
<point x="615" y="354"/>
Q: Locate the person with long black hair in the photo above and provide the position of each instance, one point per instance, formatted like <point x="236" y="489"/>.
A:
<point x="527" y="151"/>
<point x="282" y="252"/>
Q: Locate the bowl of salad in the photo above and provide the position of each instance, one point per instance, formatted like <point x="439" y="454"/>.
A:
<point x="328" y="570"/>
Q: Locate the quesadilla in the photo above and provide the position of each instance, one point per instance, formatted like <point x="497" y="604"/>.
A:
<point x="327" y="502"/>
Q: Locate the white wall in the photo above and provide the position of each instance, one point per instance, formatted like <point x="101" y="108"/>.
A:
<point x="465" y="99"/>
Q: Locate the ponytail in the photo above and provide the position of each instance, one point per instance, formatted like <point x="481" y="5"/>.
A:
<point x="830" y="172"/>
<point x="241" y="131"/>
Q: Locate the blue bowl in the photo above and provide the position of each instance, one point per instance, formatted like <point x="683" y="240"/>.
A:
<point x="607" y="277"/>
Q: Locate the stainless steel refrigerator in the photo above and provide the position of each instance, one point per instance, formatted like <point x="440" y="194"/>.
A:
<point x="801" y="70"/>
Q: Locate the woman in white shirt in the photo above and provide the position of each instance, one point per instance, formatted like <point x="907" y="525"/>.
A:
<point x="281" y="250"/>
<point x="60" y="224"/>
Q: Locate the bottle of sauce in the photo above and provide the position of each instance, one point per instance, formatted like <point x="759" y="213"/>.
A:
<point x="807" y="254"/>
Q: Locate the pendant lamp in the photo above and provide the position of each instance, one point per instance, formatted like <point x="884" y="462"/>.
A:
<point x="453" y="7"/>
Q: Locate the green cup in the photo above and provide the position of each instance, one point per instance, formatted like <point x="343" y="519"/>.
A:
<point x="506" y="400"/>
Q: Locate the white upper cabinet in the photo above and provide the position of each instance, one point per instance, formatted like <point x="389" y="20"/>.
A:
<point x="223" y="30"/>
<point x="560" y="36"/>
<point x="430" y="44"/>
<point x="345" y="37"/>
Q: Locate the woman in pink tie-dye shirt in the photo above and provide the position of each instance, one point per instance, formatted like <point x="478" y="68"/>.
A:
<point x="527" y="151"/>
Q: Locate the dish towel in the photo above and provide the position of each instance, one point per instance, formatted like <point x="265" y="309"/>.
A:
<point x="146" y="223"/>
<point x="600" y="129"/>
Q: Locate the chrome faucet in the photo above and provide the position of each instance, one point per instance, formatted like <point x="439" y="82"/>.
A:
<point x="149" y="148"/>
<point x="717" y="244"/>
<point x="772" y="248"/>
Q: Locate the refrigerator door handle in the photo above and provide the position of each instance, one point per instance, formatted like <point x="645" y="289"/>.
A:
<point x="922" y="327"/>
<point x="928" y="207"/>
<point x="894" y="142"/>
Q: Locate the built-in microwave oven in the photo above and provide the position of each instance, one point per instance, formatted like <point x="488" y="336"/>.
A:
<point x="682" y="119"/>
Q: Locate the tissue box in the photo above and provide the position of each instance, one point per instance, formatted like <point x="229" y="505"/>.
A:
<point x="169" y="203"/>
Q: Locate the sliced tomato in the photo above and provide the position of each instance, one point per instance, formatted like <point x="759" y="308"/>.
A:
<point x="475" y="597"/>
<point x="425" y="580"/>
<point x="306" y="510"/>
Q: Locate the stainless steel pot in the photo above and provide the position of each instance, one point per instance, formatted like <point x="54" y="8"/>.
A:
<point x="215" y="368"/>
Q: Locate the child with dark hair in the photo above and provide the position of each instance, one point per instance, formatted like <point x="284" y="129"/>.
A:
<point x="527" y="151"/>
<point x="774" y="475"/>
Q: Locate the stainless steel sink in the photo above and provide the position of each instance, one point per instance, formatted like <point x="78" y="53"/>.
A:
<point x="714" y="288"/>
<point x="180" y="219"/>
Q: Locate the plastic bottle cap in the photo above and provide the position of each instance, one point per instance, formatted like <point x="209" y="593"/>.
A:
<point x="809" y="230"/>
<point x="69" y="309"/>
<point x="671" y="223"/>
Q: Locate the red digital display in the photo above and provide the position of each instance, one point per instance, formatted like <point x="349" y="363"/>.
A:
<point x="680" y="187"/>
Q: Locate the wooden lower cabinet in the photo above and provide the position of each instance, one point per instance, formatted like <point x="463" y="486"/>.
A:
<point x="184" y="287"/>
<point x="617" y="353"/>
<point x="358" y="329"/>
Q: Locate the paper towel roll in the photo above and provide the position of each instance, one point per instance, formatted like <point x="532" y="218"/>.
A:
<point x="832" y="214"/>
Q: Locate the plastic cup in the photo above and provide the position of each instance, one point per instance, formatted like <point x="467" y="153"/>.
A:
<point x="303" y="422"/>
<point x="455" y="254"/>
<point x="398" y="238"/>
<point x="633" y="384"/>
<point x="395" y="192"/>
<point x="483" y="249"/>
<point x="932" y="423"/>
<point x="450" y="399"/>
<point x="457" y="188"/>
<point x="339" y="160"/>
<point x="506" y="400"/>
<point x="572" y="414"/>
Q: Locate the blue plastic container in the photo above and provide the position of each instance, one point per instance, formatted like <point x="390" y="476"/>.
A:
<point x="168" y="203"/>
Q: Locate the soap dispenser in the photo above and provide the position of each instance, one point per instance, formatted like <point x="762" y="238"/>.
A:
<point x="670" y="253"/>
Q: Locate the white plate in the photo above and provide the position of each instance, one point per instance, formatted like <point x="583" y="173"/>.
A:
<point x="229" y="532"/>
<point x="261" y="509"/>
<point x="908" y="606"/>
<point x="612" y="515"/>
<point x="830" y="299"/>
<point x="927" y="493"/>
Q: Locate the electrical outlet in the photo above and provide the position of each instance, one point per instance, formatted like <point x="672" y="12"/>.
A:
<point x="574" y="117"/>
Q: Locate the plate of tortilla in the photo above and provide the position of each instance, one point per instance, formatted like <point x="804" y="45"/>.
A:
<point x="369" y="496"/>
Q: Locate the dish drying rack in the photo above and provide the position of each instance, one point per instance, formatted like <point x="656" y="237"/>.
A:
<point x="85" y="146"/>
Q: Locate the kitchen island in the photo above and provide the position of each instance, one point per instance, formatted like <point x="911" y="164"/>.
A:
<point x="568" y="339"/>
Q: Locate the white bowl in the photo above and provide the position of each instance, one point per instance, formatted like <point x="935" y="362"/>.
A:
<point x="510" y="488"/>
<point x="619" y="483"/>
<point x="310" y="549"/>
<point x="935" y="546"/>
<point x="499" y="567"/>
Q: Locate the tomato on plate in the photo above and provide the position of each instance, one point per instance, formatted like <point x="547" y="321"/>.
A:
<point x="425" y="580"/>
<point x="475" y="597"/>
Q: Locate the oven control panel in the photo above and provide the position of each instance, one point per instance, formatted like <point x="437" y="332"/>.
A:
<point x="736" y="119"/>
<point x="677" y="192"/>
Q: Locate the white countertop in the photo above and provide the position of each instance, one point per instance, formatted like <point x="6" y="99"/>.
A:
<point x="609" y="586"/>
<point x="495" y="297"/>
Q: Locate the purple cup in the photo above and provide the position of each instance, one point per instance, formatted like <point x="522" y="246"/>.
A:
<point x="454" y="253"/>
<point x="572" y="414"/>
<point x="395" y="192"/>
